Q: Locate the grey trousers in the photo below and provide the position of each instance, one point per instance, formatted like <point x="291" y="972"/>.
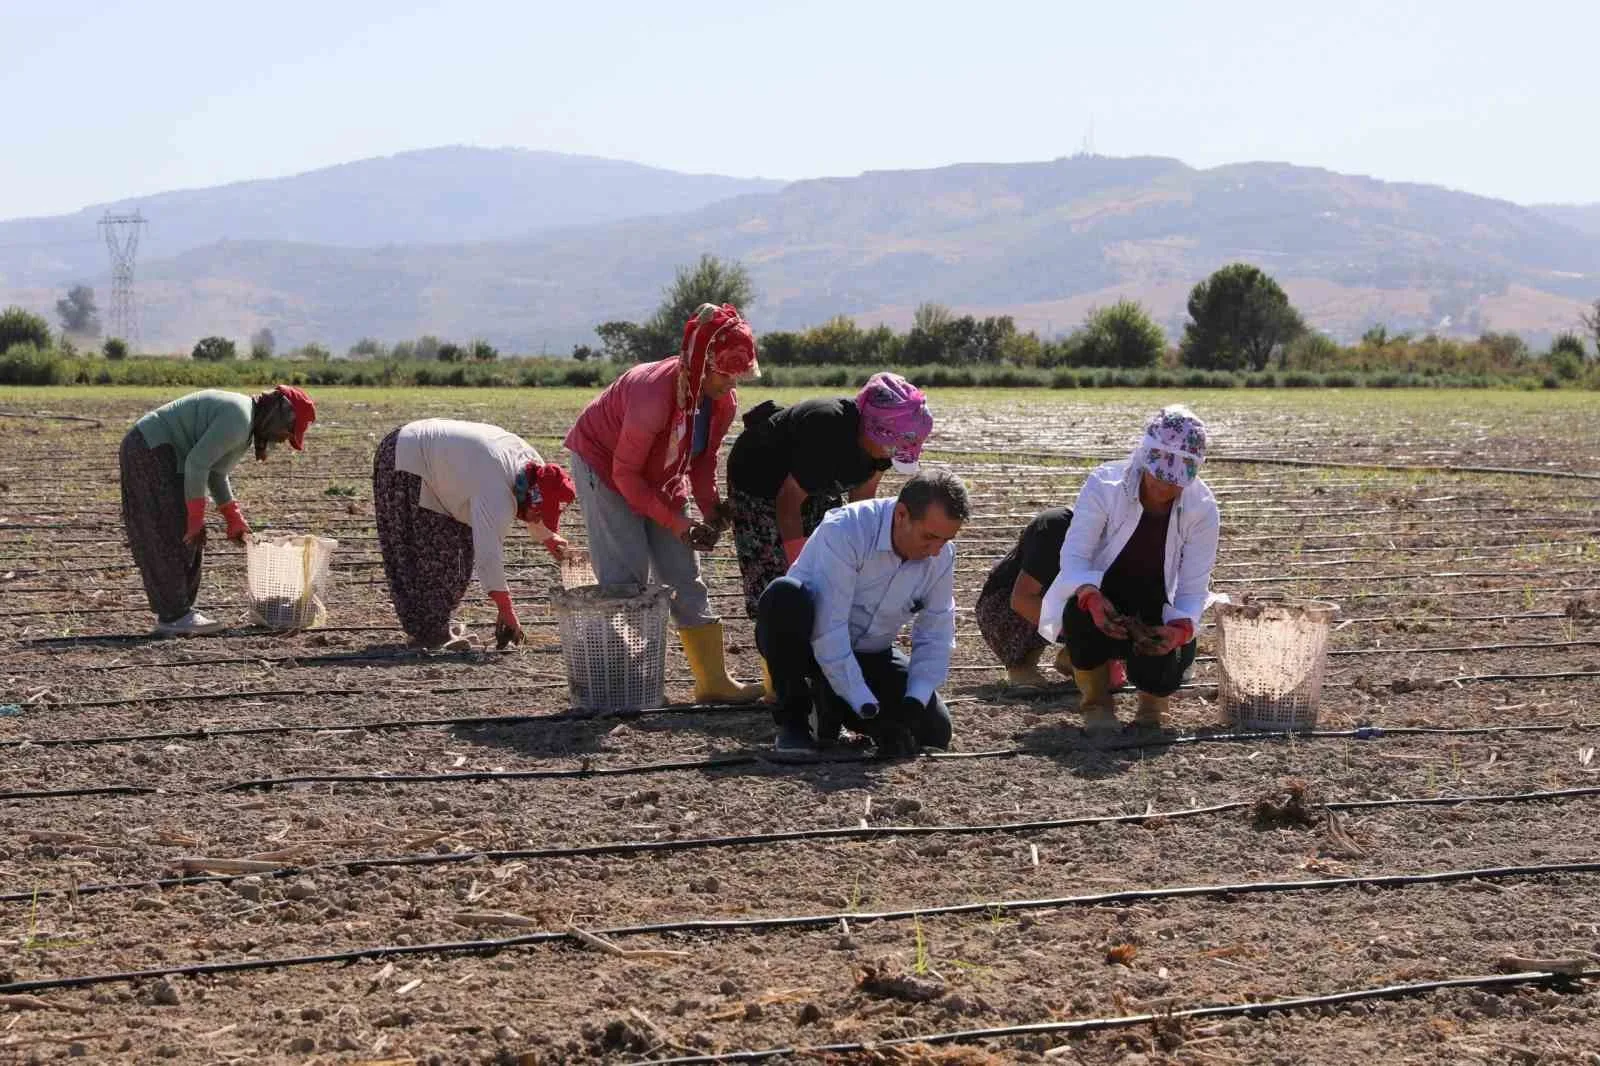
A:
<point x="625" y="548"/>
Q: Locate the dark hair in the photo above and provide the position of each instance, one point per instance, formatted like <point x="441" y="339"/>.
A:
<point x="941" y="485"/>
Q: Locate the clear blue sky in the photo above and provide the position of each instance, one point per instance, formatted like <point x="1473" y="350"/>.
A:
<point x="105" y="99"/>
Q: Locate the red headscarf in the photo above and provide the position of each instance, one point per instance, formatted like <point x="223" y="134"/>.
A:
<point x="305" y="413"/>
<point x="546" y="487"/>
<point x="716" y="338"/>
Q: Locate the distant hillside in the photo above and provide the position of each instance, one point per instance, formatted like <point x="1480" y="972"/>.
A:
<point x="1585" y="217"/>
<point x="1040" y="241"/>
<point x="437" y="195"/>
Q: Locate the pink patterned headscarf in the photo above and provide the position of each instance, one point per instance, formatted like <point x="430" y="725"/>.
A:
<point x="895" y="413"/>
<point x="1174" y="446"/>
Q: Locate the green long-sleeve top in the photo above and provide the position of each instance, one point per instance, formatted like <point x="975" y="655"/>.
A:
<point x="210" y="431"/>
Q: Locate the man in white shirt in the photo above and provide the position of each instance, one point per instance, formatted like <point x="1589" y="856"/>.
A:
<point x="828" y="628"/>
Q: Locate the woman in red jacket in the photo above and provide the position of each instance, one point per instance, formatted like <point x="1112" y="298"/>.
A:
<point x="639" y="451"/>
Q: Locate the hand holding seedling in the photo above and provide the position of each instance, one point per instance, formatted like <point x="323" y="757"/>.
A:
<point x="701" y="537"/>
<point x="1103" y="611"/>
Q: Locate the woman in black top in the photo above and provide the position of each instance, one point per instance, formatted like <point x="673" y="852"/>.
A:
<point x="791" y="465"/>
<point x="1008" y="607"/>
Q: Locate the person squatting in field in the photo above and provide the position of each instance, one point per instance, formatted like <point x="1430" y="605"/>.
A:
<point x="446" y="493"/>
<point x="792" y="465"/>
<point x="1135" y="570"/>
<point x="828" y="627"/>
<point x="174" y="457"/>
<point x="1013" y="594"/>
<point x="639" y="451"/>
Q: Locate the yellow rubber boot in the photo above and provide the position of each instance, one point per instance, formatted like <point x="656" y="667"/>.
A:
<point x="1064" y="665"/>
<point x="1152" y="709"/>
<point x="1026" y="673"/>
<point x="1094" y="698"/>
<point x="769" y="692"/>
<point x="702" y="645"/>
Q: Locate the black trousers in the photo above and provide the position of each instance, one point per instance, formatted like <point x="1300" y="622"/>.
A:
<point x="784" y="619"/>
<point x="1159" y="675"/>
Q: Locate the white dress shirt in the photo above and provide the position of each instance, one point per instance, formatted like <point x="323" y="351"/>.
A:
<point x="1103" y="521"/>
<point x="865" y="593"/>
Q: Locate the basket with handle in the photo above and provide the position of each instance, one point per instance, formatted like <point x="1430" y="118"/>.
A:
<point x="614" y="644"/>
<point x="288" y="579"/>
<point x="1272" y="653"/>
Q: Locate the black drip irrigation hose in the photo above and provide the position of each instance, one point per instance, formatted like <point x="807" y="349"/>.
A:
<point x="638" y="847"/>
<point x="420" y="658"/>
<point x="1135" y="743"/>
<point x="1398" y="684"/>
<point x="718" y="926"/>
<point x="388" y="725"/>
<point x="1315" y="464"/>
<point x="715" y="763"/>
<point x="66" y="793"/>
<point x="1255" y="1009"/>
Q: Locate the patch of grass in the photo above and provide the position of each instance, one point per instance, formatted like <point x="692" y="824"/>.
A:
<point x="346" y="491"/>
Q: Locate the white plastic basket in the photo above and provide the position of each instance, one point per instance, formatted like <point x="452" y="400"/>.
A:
<point x="1272" y="653"/>
<point x="288" y="579"/>
<point x="614" y="643"/>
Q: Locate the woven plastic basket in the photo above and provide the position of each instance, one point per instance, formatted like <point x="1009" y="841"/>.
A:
<point x="288" y="579"/>
<point x="614" y="643"/>
<point x="576" y="569"/>
<point x="1272" y="652"/>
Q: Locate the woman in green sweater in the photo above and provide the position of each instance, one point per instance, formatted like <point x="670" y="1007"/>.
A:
<point x="171" y="460"/>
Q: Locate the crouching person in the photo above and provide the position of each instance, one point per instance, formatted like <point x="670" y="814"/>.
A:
<point x="446" y="493"/>
<point x="827" y="629"/>
<point x="1136" y="570"/>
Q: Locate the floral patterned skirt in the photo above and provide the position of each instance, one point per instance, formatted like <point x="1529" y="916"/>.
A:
<point x="154" y="516"/>
<point x="760" y="545"/>
<point x="1009" y="635"/>
<point x="427" y="556"/>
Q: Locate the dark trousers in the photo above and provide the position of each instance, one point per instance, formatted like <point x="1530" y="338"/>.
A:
<point x="155" y="516"/>
<point x="1159" y="675"/>
<point x="784" y="619"/>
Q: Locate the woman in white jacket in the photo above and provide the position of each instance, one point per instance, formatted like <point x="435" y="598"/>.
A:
<point x="1136" y="570"/>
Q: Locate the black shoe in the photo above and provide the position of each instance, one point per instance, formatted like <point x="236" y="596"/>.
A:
<point x="794" y="741"/>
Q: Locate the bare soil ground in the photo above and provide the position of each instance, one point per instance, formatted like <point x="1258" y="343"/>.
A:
<point x="1470" y="602"/>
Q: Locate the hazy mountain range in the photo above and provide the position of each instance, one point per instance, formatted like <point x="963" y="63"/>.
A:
<point x="531" y="249"/>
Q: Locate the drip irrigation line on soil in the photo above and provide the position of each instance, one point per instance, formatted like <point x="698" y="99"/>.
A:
<point x="716" y="926"/>
<point x="77" y="611"/>
<point x="1252" y="1009"/>
<point x="749" y="758"/>
<point x="298" y="693"/>
<point x="46" y="416"/>
<point x="421" y="658"/>
<point x="67" y="644"/>
<point x="716" y="762"/>
<point x="1314" y="464"/>
<point x="636" y="847"/>
<point x="390" y="725"/>
<point x="67" y="793"/>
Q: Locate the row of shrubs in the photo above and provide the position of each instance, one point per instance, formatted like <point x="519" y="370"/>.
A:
<point x="26" y="365"/>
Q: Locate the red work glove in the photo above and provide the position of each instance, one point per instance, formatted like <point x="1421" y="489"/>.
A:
<point x="1174" y="636"/>
<point x="195" y="532"/>
<point x="1094" y="602"/>
<point x="507" y="630"/>
<point x="557" y="546"/>
<point x="238" y="528"/>
<point x="792" y="549"/>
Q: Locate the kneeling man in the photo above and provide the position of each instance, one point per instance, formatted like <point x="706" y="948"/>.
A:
<point x="828" y="628"/>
